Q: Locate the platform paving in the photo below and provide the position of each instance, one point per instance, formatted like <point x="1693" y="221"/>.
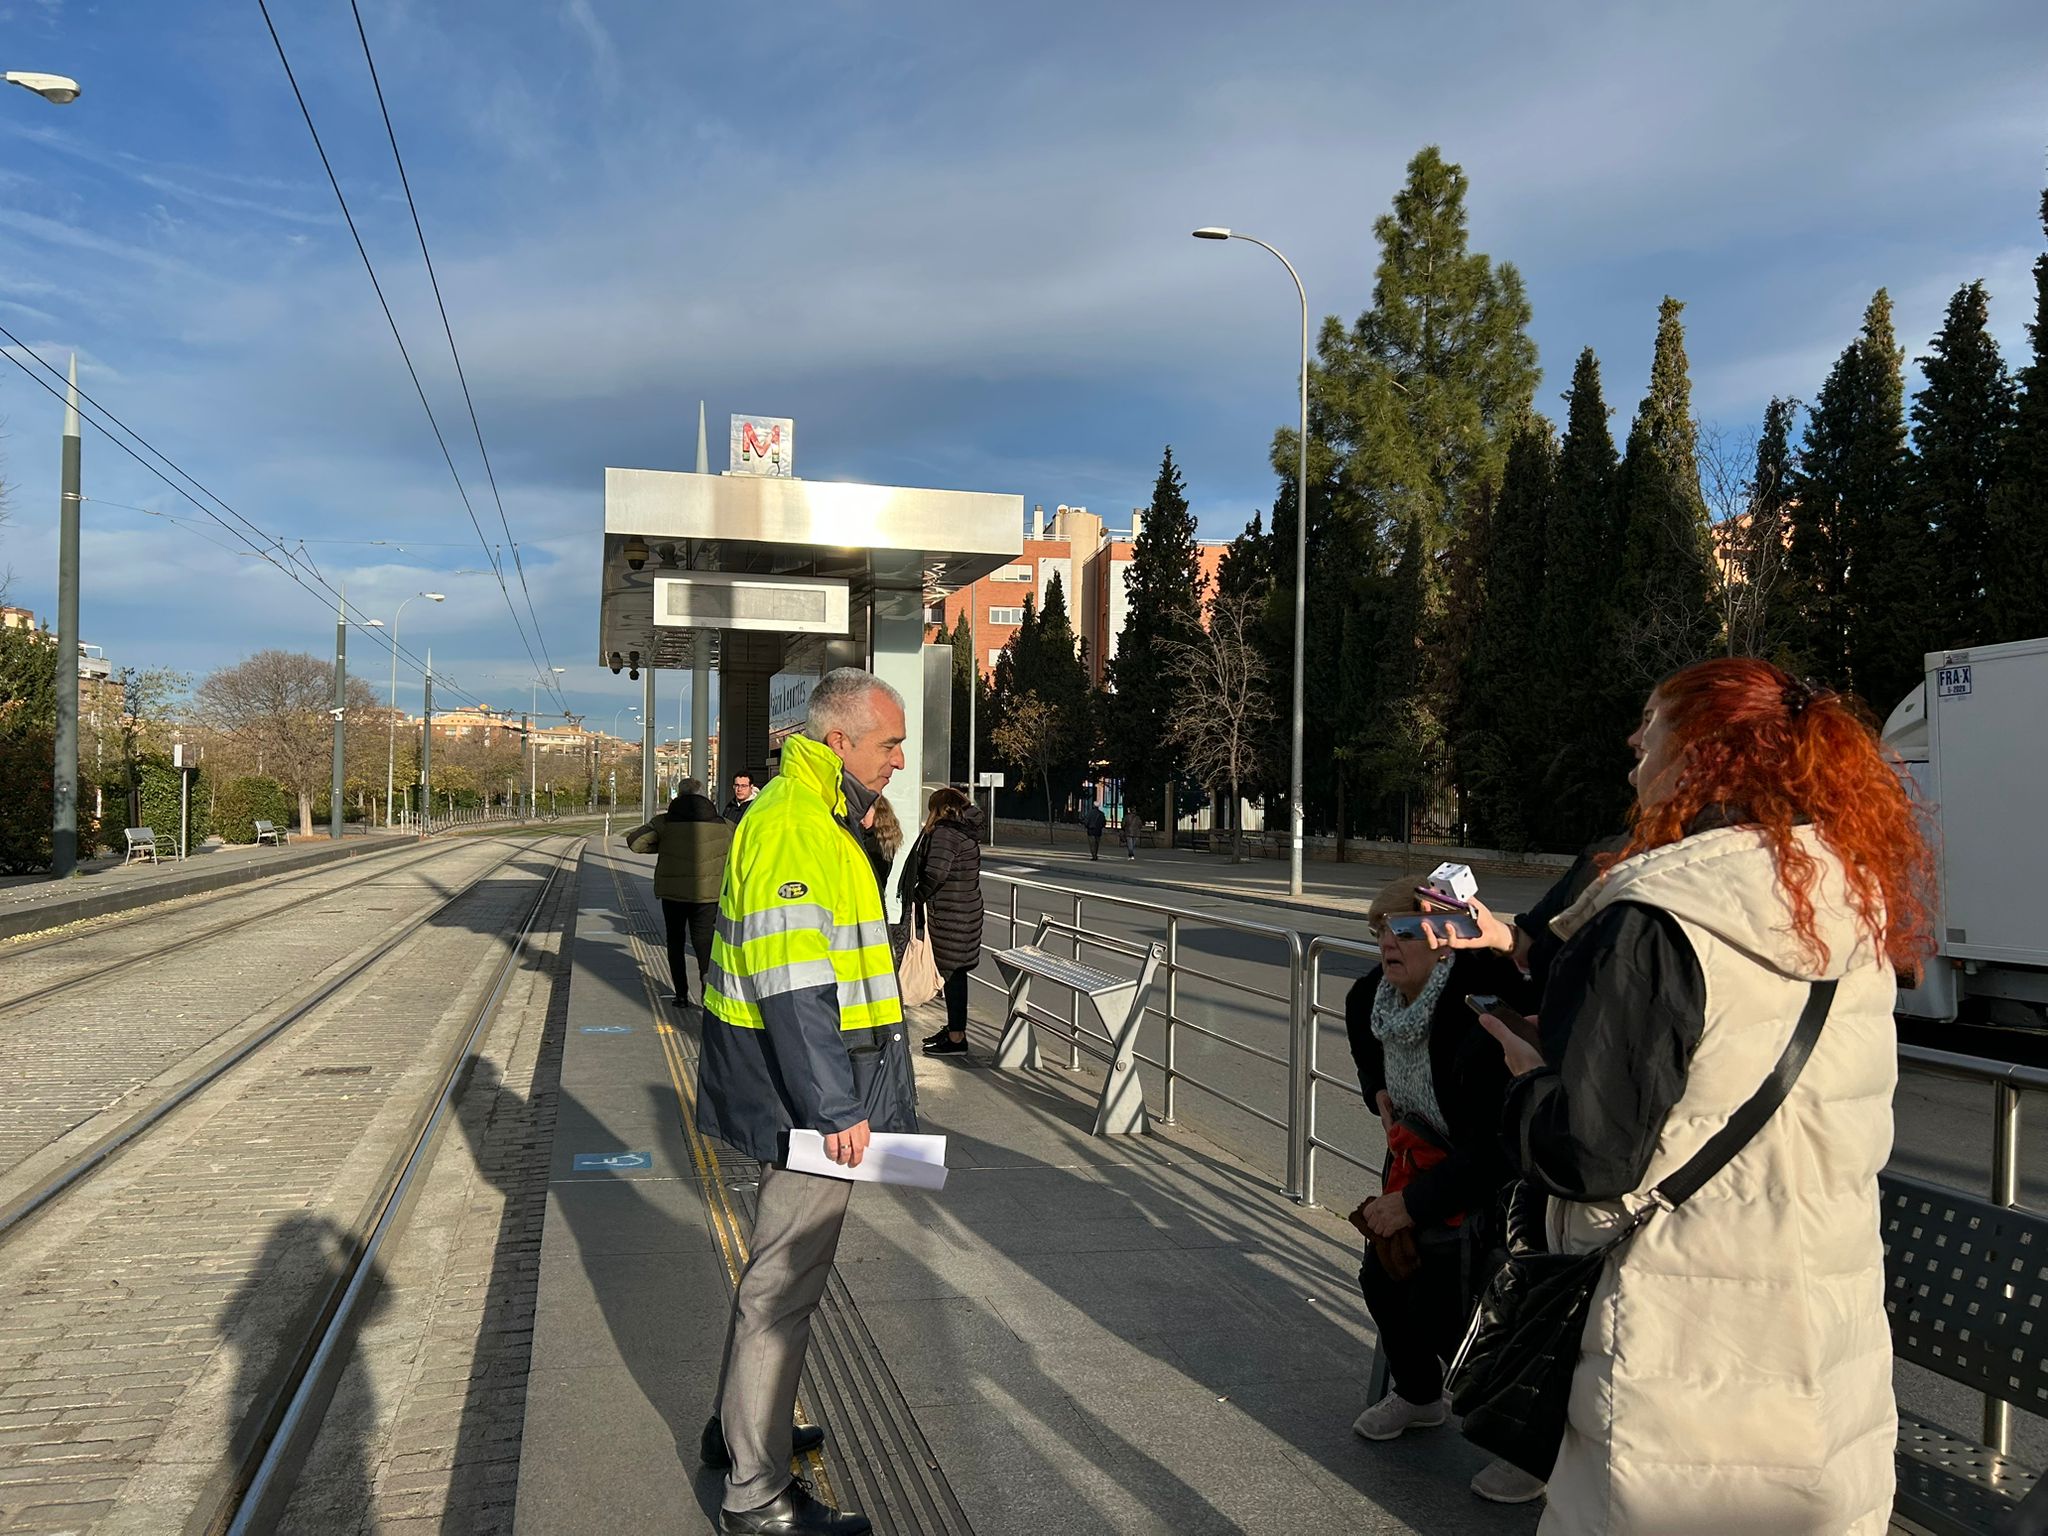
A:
<point x="1129" y="1335"/>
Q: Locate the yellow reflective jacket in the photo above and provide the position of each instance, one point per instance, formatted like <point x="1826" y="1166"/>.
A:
<point x="803" y="1023"/>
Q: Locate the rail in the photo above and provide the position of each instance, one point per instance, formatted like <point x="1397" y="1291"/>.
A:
<point x="1075" y="933"/>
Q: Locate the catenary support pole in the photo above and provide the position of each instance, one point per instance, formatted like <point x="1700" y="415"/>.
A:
<point x="64" y="771"/>
<point x="338" y="786"/>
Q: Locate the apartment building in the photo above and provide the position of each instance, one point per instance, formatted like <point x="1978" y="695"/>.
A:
<point x="1092" y="561"/>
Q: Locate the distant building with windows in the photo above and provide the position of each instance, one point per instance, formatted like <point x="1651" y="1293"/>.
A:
<point x="1093" y="563"/>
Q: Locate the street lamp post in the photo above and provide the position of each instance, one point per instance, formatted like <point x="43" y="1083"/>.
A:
<point x="1294" y="809"/>
<point x="391" y="746"/>
<point x="60" y="90"/>
<point x="532" y="754"/>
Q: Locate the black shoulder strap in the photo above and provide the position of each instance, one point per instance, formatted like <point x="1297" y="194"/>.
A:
<point x="1721" y="1147"/>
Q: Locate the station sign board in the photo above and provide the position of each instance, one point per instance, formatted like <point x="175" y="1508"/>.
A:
<point x="764" y="445"/>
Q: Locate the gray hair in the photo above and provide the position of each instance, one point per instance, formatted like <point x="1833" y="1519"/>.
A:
<point x="690" y="787"/>
<point x="844" y="700"/>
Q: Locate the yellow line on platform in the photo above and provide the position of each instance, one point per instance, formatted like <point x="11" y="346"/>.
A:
<point x="718" y="1204"/>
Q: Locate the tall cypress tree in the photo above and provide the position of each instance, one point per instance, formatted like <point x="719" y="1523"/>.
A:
<point x="1063" y="683"/>
<point x="1668" y="576"/>
<point x="1860" y="562"/>
<point x="1162" y="608"/>
<point x="1505" y="722"/>
<point x="967" y="676"/>
<point x="2016" y="561"/>
<point x="1960" y="420"/>
<point x="1582" y="772"/>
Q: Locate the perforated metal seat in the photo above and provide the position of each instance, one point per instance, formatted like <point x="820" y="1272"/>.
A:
<point x="1117" y="1002"/>
<point x="1067" y="973"/>
<point x="1966" y="1284"/>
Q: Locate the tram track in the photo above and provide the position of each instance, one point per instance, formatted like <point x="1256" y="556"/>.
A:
<point x="287" y="1425"/>
<point x="101" y="969"/>
<point x="82" y="1165"/>
<point x="359" y="1151"/>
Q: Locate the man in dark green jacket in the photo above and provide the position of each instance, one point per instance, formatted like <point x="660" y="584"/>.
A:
<point x="690" y="843"/>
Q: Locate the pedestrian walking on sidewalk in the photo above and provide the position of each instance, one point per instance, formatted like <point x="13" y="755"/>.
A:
<point x="690" y="844"/>
<point x="1435" y="1078"/>
<point x="1093" y="823"/>
<point x="943" y="875"/>
<point x="803" y="1027"/>
<point x="1736" y="1366"/>
<point x="1130" y="834"/>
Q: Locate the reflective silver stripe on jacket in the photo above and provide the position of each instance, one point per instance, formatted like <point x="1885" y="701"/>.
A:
<point x="807" y="917"/>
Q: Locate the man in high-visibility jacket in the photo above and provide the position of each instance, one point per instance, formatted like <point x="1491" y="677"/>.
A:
<point x="803" y="1026"/>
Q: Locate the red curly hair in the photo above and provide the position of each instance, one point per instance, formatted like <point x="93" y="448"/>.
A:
<point x="1788" y="754"/>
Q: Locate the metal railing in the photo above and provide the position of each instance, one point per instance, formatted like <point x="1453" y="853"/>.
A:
<point x="1073" y="931"/>
<point x="2007" y="1081"/>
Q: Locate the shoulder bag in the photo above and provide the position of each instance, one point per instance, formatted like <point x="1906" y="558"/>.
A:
<point x="917" y="973"/>
<point x="1512" y="1378"/>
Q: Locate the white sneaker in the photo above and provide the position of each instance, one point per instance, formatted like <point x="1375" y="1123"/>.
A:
<point x="1502" y="1482"/>
<point x="1393" y="1415"/>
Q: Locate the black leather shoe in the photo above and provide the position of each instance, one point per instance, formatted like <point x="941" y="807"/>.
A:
<point x="792" y="1513"/>
<point x="803" y="1439"/>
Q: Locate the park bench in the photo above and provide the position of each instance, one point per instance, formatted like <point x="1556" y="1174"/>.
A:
<point x="266" y="832"/>
<point x="1116" y="1002"/>
<point x="141" y="844"/>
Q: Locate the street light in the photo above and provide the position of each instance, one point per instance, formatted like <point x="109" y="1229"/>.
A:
<point x="391" y="744"/>
<point x="532" y="755"/>
<point x="61" y="90"/>
<point x="1214" y="232"/>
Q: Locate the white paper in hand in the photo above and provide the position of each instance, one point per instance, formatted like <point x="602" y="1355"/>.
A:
<point x="891" y="1158"/>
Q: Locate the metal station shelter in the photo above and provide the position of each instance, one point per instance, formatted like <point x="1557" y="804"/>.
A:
<point x="758" y="577"/>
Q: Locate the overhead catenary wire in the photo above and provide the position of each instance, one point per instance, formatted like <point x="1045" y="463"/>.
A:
<point x="448" y="330"/>
<point x="256" y="541"/>
<point x="334" y="181"/>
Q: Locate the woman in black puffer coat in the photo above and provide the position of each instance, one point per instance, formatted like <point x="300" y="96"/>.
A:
<point x="943" y="875"/>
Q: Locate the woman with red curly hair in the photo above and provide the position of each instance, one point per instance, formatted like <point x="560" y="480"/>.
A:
<point x="1736" y="1370"/>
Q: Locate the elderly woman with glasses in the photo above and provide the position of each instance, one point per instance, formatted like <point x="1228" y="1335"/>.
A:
<point x="1435" y="1077"/>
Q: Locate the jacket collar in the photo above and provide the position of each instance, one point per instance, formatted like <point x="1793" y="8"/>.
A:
<point x="818" y="769"/>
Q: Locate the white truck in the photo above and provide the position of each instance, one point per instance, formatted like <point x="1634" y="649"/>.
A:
<point x="1975" y="739"/>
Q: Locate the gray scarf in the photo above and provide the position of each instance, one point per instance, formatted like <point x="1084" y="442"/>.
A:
<point x="1402" y="1029"/>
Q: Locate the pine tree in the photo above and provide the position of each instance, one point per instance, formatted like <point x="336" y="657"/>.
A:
<point x="1504" y="723"/>
<point x="1162" y="608"/>
<point x="1960" y="420"/>
<point x="1062" y="681"/>
<point x="2016" y="561"/>
<point x="1859" y="563"/>
<point x="1411" y="410"/>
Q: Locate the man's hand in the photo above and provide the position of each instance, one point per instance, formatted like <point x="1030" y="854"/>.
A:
<point x="849" y="1146"/>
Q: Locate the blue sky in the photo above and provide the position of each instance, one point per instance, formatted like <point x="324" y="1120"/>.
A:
<point x="951" y="241"/>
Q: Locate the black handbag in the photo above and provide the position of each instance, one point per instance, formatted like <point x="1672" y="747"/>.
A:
<point x="1511" y="1380"/>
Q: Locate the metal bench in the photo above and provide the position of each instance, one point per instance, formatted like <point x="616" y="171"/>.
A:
<point x="1965" y="1284"/>
<point x="1118" y="1003"/>
<point x="266" y="832"/>
<point x="141" y="844"/>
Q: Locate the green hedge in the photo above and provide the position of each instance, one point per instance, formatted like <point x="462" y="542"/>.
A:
<point x="159" y="780"/>
<point x="241" y="803"/>
<point x="25" y="803"/>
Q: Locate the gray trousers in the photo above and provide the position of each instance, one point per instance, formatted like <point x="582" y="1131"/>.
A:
<point x="796" y="1233"/>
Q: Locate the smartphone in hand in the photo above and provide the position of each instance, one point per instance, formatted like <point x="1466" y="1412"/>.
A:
<point x="1416" y="926"/>
<point x="1490" y="1003"/>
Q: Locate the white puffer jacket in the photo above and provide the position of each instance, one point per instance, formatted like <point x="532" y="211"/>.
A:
<point x="1737" y="1368"/>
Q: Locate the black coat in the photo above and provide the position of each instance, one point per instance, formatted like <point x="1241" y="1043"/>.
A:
<point x="943" y="873"/>
<point x="1467" y="1071"/>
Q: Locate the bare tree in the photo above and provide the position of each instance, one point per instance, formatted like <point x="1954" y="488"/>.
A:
<point x="278" y="704"/>
<point x="1034" y="734"/>
<point x="1223" y="705"/>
